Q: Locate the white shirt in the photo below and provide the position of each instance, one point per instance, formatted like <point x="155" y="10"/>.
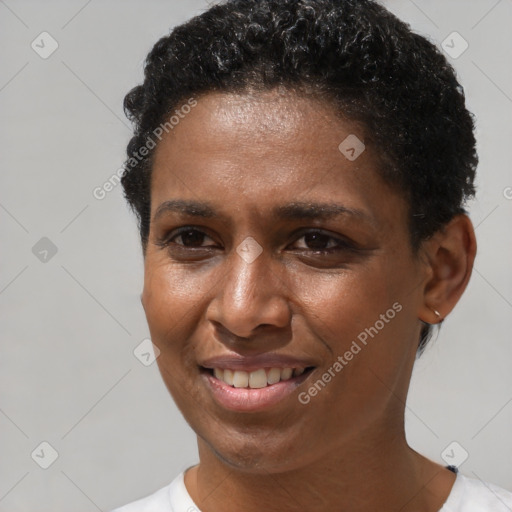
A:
<point x="467" y="495"/>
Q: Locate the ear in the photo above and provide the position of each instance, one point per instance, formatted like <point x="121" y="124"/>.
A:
<point x="450" y="254"/>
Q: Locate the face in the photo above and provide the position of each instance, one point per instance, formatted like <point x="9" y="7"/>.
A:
<point x="269" y="248"/>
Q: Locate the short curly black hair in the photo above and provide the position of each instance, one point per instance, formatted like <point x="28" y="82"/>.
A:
<point x="354" y="54"/>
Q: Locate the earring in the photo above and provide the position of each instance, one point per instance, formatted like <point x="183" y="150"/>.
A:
<point x="436" y="313"/>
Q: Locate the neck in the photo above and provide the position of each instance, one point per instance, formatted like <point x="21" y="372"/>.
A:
<point x="367" y="474"/>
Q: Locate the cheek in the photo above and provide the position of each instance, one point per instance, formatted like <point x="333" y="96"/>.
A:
<point x="172" y="295"/>
<point x="366" y="318"/>
<point x="345" y="303"/>
<point x="172" y="307"/>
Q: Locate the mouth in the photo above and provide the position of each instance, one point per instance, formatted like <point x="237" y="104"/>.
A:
<point x="253" y="391"/>
<point x="258" y="378"/>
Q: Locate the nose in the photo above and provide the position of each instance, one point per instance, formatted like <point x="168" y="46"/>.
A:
<point x="251" y="293"/>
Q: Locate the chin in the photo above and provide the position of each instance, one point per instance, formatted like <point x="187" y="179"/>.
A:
<point x="255" y="455"/>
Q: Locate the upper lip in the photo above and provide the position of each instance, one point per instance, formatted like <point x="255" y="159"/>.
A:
<point x="234" y="361"/>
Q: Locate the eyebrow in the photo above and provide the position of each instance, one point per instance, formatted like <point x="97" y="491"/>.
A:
<point x="297" y="210"/>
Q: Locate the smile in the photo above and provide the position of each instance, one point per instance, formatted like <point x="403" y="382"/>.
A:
<point x="255" y="390"/>
<point x="256" y="379"/>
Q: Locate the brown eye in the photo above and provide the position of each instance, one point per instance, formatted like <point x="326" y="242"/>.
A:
<point x="188" y="237"/>
<point x="319" y="241"/>
<point x="191" y="237"/>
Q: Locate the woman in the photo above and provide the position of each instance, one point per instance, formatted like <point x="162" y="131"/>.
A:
<point x="299" y="170"/>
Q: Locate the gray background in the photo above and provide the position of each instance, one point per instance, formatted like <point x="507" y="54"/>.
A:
<point x="70" y="324"/>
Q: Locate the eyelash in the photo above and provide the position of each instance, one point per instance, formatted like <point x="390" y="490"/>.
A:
<point x="341" y="245"/>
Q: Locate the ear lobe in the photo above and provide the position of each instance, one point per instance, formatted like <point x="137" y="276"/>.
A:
<point x="450" y="255"/>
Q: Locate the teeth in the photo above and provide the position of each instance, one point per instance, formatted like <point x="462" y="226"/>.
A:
<point x="286" y="373"/>
<point x="240" y="379"/>
<point x="257" y="379"/>
<point x="273" y="376"/>
<point x="228" y="377"/>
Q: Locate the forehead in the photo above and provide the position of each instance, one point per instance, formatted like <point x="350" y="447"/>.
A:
<point x="257" y="149"/>
<point x="264" y="123"/>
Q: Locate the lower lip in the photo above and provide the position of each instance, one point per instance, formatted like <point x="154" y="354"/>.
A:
<point x="251" y="400"/>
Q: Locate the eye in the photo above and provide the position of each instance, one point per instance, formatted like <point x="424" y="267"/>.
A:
<point x="187" y="236"/>
<point x="319" y="241"/>
<point x="316" y="241"/>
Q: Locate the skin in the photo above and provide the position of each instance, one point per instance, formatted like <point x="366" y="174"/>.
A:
<point x="346" y="448"/>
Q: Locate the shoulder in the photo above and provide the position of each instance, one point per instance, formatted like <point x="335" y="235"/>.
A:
<point x="173" y="497"/>
<point x="158" y="501"/>
<point x="474" y="495"/>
